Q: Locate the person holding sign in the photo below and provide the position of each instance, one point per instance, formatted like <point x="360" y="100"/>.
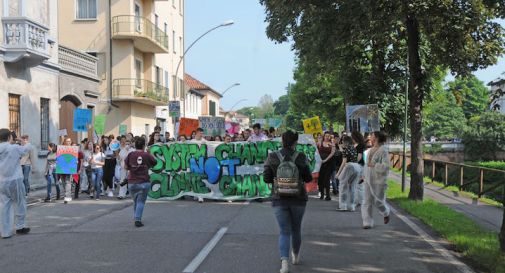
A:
<point x="67" y="157"/>
<point x="12" y="189"/>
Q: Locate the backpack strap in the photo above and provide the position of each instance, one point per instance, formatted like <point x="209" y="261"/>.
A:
<point x="293" y="158"/>
<point x="279" y="155"/>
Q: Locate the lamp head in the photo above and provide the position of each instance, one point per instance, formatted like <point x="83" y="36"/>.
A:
<point x="227" y="23"/>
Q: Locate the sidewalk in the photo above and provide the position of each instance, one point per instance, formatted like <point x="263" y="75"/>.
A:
<point x="487" y="216"/>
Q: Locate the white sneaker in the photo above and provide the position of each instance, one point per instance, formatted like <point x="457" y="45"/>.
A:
<point x="296" y="258"/>
<point x="200" y="200"/>
<point x="284" y="266"/>
<point x="110" y="194"/>
<point x="67" y="199"/>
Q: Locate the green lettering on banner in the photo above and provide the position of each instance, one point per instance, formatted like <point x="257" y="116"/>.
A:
<point x="189" y="169"/>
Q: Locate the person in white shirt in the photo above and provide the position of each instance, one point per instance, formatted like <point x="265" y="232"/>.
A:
<point x="257" y="134"/>
<point x="123" y="172"/>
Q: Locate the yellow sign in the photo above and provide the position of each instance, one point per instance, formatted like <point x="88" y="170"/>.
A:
<point x="312" y="126"/>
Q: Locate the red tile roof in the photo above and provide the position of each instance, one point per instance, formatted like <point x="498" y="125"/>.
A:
<point x="197" y="85"/>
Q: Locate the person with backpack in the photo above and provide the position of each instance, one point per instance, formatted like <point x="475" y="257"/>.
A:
<point x="288" y="171"/>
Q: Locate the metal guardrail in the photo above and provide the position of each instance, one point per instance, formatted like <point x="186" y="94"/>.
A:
<point x="396" y="159"/>
<point x="139" y="26"/>
<point x="140" y="89"/>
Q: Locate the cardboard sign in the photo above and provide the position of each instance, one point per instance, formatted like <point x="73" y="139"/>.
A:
<point x="187" y="126"/>
<point x="312" y="126"/>
<point x="100" y="124"/>
<point x="62" y="132"/>
<point x="362" y="118"/>
<point x="220" y="171"/>
<point x="212" y="126"/>
<point x="82" y="118"/>
<point x="122" y="129"/>
<point x="66" y="159"/>
<point x="174" y="108"/>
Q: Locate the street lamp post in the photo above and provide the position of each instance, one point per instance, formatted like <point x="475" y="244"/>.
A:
<point x="224" y="24"/>
<point x="242" y="100"/>
<point x="231" y="86"/>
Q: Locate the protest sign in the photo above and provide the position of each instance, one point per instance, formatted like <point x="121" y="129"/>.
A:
<point x="274" y="122"/>
<point x="82" y="118"/>
<point x="100" y="124"/>
<point x="363" y="118"/>
<point x="312" y="126"/>
<point x="66" y="159"/>
<point x="216" y="170"/>
<point x="122" y="129"/>
<point x="260" y="121"/>
<point x="212" y="126"/>
<point x="174" y="108"/>
<point x="232" y="127"/>
<point x="187" y="126"/>
<point x="62" y="132"/>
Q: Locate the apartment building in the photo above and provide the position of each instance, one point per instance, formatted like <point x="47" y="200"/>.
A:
<point x="29" y="73"/>
<point x="496" y="84"/>
<point x="210" y="102"/>
<point x="138" y="44"/>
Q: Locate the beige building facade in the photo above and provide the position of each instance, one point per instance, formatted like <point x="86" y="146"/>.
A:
<point x="210" y="101"/>
<point x="137" y="44"/>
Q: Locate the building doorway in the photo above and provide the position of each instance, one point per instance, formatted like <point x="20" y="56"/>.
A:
<point x="68" y="104"/>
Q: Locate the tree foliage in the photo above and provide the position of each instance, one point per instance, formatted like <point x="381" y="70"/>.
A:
<point x="485" y="136"/>
<point x="470" y="94"/>
<point x="361" y="41"/>
<point x="444" y="119"/>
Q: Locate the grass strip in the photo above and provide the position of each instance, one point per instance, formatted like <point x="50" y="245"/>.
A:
<point x="475" y="243"/>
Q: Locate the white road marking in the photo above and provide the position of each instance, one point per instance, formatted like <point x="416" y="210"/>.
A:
<point x="195" y="263"/>
<point x="426" y="237"/>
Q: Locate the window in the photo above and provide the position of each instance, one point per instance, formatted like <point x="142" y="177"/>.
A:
<point x="165" y="29"/>
<point x="173" y="3"/>
<point x="86" y="9"/>
<point x="157" y="29"/>
<point x="138" y="72"/>
<point x="167" y="79"/>
<point x="137" y="18"/>
<point x="180" y="45"/>
<point x="212" y="108"/>
<point x="158" y="76"/>
<point x="44" y="123"/>
<point x="15" y="114"/>
<point x="180" y="6"/>
<point x="173" y="40"/>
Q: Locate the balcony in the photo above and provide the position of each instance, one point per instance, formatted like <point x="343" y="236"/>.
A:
<point x="77" y="63"/>
<point x="141" y="91"/>
<point x="24" y="39"/>
<point x="146" y="36"/>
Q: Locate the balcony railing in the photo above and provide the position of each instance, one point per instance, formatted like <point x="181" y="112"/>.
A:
<point x="146" y="35"/>
<point x="24" y="38"/>
<point x="142" y="91"/>
<point x="77" y="62"/>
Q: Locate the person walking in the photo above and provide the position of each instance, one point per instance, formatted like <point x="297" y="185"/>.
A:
<point x="289" y="210"/>
<point x="138" y="164"/>
<point x="12" y="189"/>
<point x="26" y="164"/>
<point x="326" y="150"/>
<point x="348" y="175"/>
<point x="67" y="179"/>
<point x="123" y="173"/>
<point x="50" y="172"/>
<point x="88" y="155"/>
<point x="97" y="162"/>
<point x="375" y="186"/>
<point x="360" y="146"/>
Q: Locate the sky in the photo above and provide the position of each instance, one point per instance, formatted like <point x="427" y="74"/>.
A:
<point x="242" y="53"/>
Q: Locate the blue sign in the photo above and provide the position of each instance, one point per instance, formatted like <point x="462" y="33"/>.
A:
<point x="82" y="117"/>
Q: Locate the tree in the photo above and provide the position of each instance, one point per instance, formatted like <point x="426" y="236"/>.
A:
<point x="485" y="136"/>
<point x="266" y="107"/>
<point x="462" y="36"/>
<point x="443" y="117"/>
<point x="281" y="106"/>
<point x="471" y="94"/>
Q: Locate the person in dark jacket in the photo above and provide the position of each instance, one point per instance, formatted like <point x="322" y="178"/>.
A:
<point x="289" y="211"/>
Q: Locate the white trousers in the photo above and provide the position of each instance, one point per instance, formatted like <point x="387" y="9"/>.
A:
<point x="12" y="202"/>
<point x="122" y="176"/>
<point x="374" y="196"/>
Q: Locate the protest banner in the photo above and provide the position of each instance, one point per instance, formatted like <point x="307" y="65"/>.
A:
<point x="313" y="126"/>
<point x="122" y="129"/>
<point x="260" y="121"/>
<point x="66" y="159"/>
<point x="274" y="122"/>
<point x="212" y="126"/>
<point x="100" y="124"/>
<point x="82" y="118"/>
<point x="216" y="170"/>
<point x="187" y="126"/>
<point x="174" y="108"/>
<point x="362" y="118"/>
<point x="232" y="127"/>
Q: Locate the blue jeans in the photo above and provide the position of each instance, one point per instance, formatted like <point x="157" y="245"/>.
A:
<point x="289" y="219"/>
<point x="97" y="175"/>
<point x="51" y="179"/>
<point x="334" y="181"/>
<point x="139" y="193"/>
<point x="26" y="176"/>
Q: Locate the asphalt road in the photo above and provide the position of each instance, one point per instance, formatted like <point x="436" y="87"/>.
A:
<point x="99" y="236"/>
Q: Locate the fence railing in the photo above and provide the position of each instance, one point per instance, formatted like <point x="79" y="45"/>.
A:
<point x="480" y="180"/>
<point x="139" y="26"/>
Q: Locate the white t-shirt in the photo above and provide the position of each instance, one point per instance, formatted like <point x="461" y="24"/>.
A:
<point x="87" y="157"/>
<point x="100" y="157"/>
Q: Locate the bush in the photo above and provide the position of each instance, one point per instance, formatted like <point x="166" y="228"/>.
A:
<point x="485" y="136"/>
